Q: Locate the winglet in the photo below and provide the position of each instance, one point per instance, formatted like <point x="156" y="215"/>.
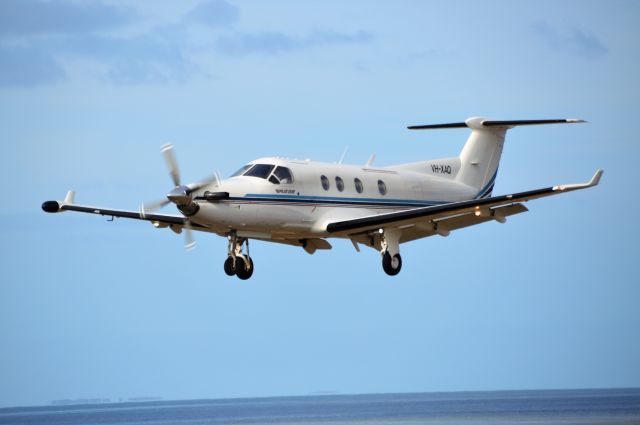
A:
<point x="56" y="206"/>
<point x="68" y="200"/>
<point x="596" y="178"/>
<point x="593" y="182"/>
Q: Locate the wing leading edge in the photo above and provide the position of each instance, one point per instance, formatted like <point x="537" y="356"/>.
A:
<point x="483" y="209"/>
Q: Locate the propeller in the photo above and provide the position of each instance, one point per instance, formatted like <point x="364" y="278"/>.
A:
<point x="189" y="241"/>
<point x="180" y="195"/>
<point x="172" y="163"/>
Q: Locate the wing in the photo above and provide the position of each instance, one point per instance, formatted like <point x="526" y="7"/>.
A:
<point x="420" y="222"/>
<point x="159" y="220"/>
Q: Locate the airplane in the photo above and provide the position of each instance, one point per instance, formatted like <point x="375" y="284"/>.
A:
<point x="303" y="203"/>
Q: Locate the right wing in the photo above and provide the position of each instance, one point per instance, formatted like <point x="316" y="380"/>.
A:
<point x="159" y="220"/>
<point x="441" y="218"/>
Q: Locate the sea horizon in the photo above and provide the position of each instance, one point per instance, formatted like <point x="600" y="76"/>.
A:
<point x="327" y="393"/>
<point x="556" y="406"/>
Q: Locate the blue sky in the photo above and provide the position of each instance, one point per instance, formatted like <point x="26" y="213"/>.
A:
<point x="90" y="90"/>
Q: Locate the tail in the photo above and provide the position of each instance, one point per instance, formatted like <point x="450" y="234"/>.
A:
<point x="480" y="156"/>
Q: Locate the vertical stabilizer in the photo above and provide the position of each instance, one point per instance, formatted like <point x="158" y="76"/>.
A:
<point x="480" y="156"/>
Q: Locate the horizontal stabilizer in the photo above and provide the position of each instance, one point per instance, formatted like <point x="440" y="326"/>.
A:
<point x="513" y="123"/>
<point x="436" y="126"/>
<point x="482" y="122"/>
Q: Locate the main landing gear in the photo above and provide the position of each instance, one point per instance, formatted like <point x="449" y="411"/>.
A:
<point x="390" y="250"/>
<point x="237" y="263"/>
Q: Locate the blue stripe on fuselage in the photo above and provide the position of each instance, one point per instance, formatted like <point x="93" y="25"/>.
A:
<point x="488" y="188"/>
<point x="365" y="202"/>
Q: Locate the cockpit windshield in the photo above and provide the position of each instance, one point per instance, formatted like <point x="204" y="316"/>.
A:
<point x="241" y="170"/>
<point x="281" y="175"/>
<point x="260" y="170"/>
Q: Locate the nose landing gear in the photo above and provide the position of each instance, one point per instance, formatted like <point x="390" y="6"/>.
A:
<point x="237" y="263"/>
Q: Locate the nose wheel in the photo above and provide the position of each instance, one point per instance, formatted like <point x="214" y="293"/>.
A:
<point x="237" y="263"/>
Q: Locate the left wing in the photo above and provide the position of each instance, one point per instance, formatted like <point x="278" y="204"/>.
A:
<point x="420" y="222"/>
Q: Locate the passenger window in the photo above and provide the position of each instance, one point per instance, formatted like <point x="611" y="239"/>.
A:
<point x="260" y="170"/>
<point x="382" y="188"/>
<point x="339" y="184"/>
<point x="325" y="182"/>
<point x="359" y="187"/>
<point x="284" y="175"/>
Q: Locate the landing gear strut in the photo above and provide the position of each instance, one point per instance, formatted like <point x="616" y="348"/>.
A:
<point x="237" y="263"/>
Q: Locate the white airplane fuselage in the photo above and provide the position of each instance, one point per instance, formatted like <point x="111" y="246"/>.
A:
<point x="257" y="207"/>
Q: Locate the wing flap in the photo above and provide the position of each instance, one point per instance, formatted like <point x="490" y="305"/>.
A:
<point x="459" y="222"/>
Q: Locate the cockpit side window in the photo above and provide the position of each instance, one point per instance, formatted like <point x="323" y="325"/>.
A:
<point x="241" y="170"/>
<point x="260" y="170"/>
<point x="284" y="175"/>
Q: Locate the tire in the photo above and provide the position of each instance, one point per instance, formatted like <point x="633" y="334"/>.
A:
<point x="242" y="271"/>
<point x="388" y="264"/>
<point x="229" y="268"/>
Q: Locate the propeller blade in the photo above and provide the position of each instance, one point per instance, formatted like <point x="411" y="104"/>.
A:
<point x="172" y="163"/>
<point x="189" y="241"/>
<point x="154" y="205"/>
<point x="206" y="182"/>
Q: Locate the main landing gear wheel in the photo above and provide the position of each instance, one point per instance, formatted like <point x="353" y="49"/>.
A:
<point x="229" y="266"/>
<point x="238" y="263"/>
<point x="391" y="265"/>
<point x="242" y="271"/>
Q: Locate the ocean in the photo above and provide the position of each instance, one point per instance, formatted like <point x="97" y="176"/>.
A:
<point x="598" y="406"/>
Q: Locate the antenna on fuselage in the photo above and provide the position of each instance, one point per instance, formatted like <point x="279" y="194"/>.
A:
<point x="370" y="160"/>
<point x="344" y="153"/>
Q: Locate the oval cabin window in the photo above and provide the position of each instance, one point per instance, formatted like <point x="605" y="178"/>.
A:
<point x="325" y="182"/>
<point x="339" y="184"/>
<point x="359" y="187"/>
<point x="382" y="188"/>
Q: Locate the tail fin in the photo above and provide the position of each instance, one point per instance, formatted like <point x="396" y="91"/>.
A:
<point x="480" y="156"/>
